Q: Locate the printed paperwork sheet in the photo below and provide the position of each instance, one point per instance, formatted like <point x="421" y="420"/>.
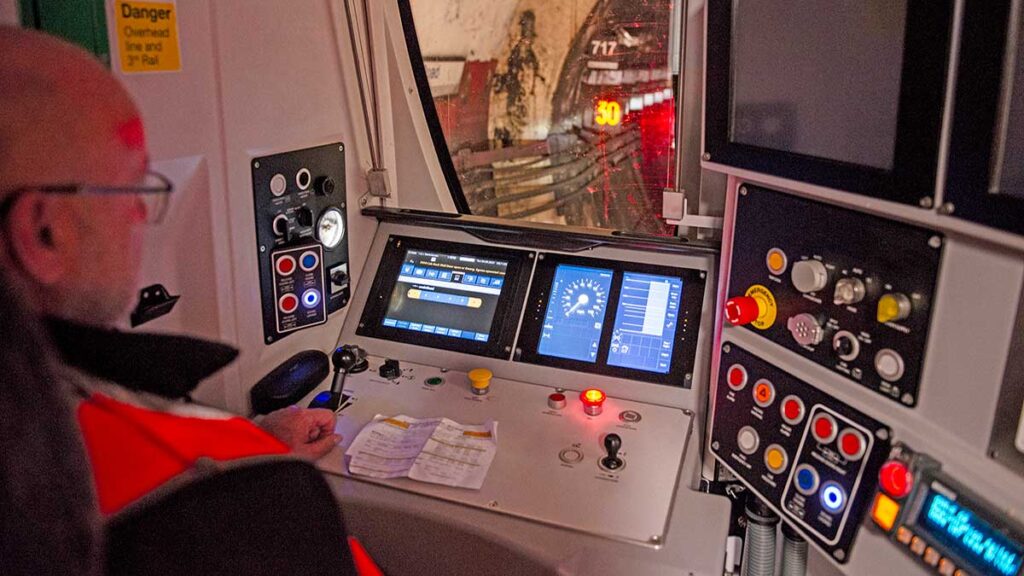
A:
<point x="436" y="450"/>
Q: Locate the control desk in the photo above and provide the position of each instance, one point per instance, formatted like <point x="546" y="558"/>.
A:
<point x="592" y="363"/>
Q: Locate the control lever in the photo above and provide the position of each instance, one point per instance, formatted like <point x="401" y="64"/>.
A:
<point x="348" y="359"/>
<point x="612" y="445"/>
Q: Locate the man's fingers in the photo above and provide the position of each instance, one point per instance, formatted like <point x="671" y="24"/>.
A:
<point x="322" y="446"/>
<point x="322" y="416"/>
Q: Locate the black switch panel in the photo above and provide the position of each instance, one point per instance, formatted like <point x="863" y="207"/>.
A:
<point x="850" y="292"/>
<point x="299" y="202"/>
<point x="298" y="288"/>
<point x="812" y="458"/>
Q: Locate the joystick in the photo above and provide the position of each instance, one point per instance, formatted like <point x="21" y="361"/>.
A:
<point x="347" y="360"/>
<point x="612" y="445"/>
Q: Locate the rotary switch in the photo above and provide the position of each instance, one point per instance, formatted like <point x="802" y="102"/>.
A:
<point x="390" y="369"/>
<point x="809" y="276"/>
<point x="849" y="291"/>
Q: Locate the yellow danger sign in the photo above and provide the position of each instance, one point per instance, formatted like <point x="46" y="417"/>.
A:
<point x="147" y="36"/>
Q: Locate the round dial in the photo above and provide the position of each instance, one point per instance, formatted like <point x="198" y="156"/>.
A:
<point x="584" y="297"/>
<point x="330" y="229"/>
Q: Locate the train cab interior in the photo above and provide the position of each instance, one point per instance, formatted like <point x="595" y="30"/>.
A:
<point x="604" y="287"/>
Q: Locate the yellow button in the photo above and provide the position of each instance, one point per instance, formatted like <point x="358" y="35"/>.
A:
<point x="885" y="512"/>
<point x="776" y="261"/>
<point x="775" y="460"/>
<point x="480" y="378"/>
<point x="893" y="307"/>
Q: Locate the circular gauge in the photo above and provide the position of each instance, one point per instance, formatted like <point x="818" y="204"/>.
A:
<point x="330" y="229"/>
<point x="584" y="297"/>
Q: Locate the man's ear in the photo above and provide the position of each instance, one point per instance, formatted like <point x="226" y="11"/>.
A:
<point x="41" y="238"/>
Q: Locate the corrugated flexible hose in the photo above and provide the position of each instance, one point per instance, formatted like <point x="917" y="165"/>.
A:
<point x="759" y="547"/>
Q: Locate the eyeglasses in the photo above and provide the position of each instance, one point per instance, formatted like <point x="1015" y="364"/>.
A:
<point x="154" y="190"/>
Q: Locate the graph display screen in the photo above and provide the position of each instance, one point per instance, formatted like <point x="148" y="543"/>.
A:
<point x="644" y="331"/>
<point x="575" y="313"/>
<point x="964" y="531"/>
<point x="450" y="295"/>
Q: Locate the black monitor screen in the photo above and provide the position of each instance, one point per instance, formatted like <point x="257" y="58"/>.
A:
<point x="818" y="77"/>
<point x="450" y="295"/>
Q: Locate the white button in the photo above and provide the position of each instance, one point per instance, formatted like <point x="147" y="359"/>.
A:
<point x="889" y="364"/>
<point x="278" y="184"/>
<point x="748" y="440"/>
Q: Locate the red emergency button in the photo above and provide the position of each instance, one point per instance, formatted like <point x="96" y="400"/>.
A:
<point x="895" y="479"/>
<point x="288" y="303"/>
<point x="792" y="410"/>
<point x="737" y="377"/>
<point x="824" y="428"/>
<point x="852" y="444"/>
<point x="593" y="401"/>
<point x="764" y="393"/>
<point x="741" y="310"/>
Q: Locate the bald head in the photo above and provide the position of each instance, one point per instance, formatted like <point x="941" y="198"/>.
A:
<point x="65" y="119"/>
<point x="61" y="113"/>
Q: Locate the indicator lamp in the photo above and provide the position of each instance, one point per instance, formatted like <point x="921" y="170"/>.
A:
<point x="895" y="479"/>
<point x="833" y="497"/>
<point x="885" y="512"/>
<point x="593" y="401"/>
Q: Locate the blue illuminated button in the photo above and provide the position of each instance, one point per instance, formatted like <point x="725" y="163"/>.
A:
<point x="407" y="269"/>
<point x="833" y="497"/>
<point x="806" y="479"/>
<point x="310" y="298"/>
<point x="309" y="260"/>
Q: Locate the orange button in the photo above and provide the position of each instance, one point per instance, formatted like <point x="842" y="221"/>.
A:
<point x="775" y="459"/>
<point x="764" y="393"/>
<point x="885" y="512"/>
<point x="776" y="261"/>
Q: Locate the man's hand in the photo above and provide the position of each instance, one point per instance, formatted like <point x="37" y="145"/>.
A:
<point x="309" y="432"/>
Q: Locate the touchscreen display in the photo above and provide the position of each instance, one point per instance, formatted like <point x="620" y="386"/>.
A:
<point x="575" y="313"/>
<point x="645" y="322"/>
<point x="451" y="295"/>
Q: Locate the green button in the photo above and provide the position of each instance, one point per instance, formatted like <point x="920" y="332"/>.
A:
<point x="434" y="381"/>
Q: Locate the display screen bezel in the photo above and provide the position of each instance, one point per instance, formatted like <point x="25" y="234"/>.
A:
<point x="919" y="116"/>
<point x="507" y="312"/>
<point x="965" y="499"/>
<point x="976" y="109"/>
<point x="684" y="349"/>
